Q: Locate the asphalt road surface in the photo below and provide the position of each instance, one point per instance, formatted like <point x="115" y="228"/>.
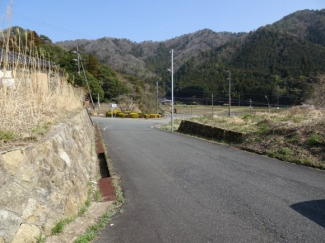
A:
<point x="183" y="189"/>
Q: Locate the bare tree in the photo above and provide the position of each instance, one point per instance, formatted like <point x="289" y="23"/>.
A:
<point x="278" y="92"/>
<point x="318" y="98"/>
<point x="125" y="103"/>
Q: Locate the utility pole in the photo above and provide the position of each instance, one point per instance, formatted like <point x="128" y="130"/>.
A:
<point x="250" y="105"/>
<point x="98" y="100"/>
<point x="84" y="73"/>
<point x="229" y="95"/>
<point x="78" y="61"/>
<point x="172" y="71"/>
<point x="157" y="98"/>
<point x="212" y="105"/>
<point x="268" y="103"/>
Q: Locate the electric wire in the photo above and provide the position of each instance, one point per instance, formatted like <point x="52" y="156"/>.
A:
<point x="23" y="17"/>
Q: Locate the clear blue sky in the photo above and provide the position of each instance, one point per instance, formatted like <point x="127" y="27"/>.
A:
<point x="141" y="20"/>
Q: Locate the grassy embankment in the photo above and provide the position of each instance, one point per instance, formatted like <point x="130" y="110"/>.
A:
<point x="294" y="135"/>
<point x="33" y="94"/>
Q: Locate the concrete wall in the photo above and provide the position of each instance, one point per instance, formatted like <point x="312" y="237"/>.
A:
<point x="45" y="182"/>
<point x="209" y="132"/>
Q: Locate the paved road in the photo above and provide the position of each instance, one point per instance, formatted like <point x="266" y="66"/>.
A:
<point x="183" y="189"/>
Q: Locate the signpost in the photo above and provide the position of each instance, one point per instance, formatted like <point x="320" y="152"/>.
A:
<point x="112" y="109"/>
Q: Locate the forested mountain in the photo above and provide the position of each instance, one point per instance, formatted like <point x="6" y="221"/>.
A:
<point x="277" y="60"/>
<point x="146" y="59"/>
<point x="282" y="59"/>
<point x="305" y="24"/>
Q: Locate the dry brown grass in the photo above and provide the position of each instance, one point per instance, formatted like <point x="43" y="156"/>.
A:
<point x="38" y="98"/>
<point x="295" y="135"/>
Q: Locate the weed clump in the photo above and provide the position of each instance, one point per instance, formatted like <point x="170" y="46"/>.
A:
<point x="314" y="140"/>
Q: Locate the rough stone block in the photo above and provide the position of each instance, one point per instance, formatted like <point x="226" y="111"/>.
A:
<point x="65" y="157"/>
<point x="35" y="212"/>
<point x="12" y="161"/>
<point x="9" y="224"/>
<point x="27" y="176"/>
<point x="27" y="233"/>
<point x="13" y="197"/>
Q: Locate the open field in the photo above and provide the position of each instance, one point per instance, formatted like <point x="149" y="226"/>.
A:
<point x="217" y="110"/>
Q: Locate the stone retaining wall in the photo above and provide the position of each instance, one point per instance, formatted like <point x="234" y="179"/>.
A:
<point x="45" y="182"/>
<point x="209" y="132"/>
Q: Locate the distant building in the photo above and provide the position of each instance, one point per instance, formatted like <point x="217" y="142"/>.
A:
<point x="165" y="101"/>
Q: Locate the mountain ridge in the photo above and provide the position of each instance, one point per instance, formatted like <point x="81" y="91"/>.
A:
<point x="286" y="55"/>
<point x="127" y="56"/>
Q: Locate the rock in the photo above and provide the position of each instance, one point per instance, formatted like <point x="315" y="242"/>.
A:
<point x="35" y="212"/>
<point x="65" y="157"/>
<point x="27" y="176"/>
<point x="9" y="224"/>
<point x="13" y="197"/>
<point x="27" y="233"/>
<point x="12" y="161"/>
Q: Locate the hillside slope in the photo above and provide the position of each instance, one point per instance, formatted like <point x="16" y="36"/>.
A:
<point x="136" y="58"/>
<point x="273" y="61"/>
<point x="280" y="59"/>
<point x="305" y="24"/>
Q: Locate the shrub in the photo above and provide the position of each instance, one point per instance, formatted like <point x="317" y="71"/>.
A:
<point x="134" y="115"/>
<point x="318" y="98"/>
<point x="146" y="116"/>
<point x="153" y="116"/>
<point x="115" y="112"/>
<point x="122" y="115"/>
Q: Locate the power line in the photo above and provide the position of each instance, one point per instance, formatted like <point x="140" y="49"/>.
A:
<point x="48" y="25"/>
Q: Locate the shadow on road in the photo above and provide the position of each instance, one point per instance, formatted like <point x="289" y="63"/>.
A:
<point x="313" y="210"/>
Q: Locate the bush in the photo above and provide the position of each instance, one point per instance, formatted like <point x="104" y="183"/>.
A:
<point x="115" y="112"/>
<point x="318" y="99"/>
<point x="134" y="115"/>
<point x="146" y="116"/>
<point x="122" y="115"/>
